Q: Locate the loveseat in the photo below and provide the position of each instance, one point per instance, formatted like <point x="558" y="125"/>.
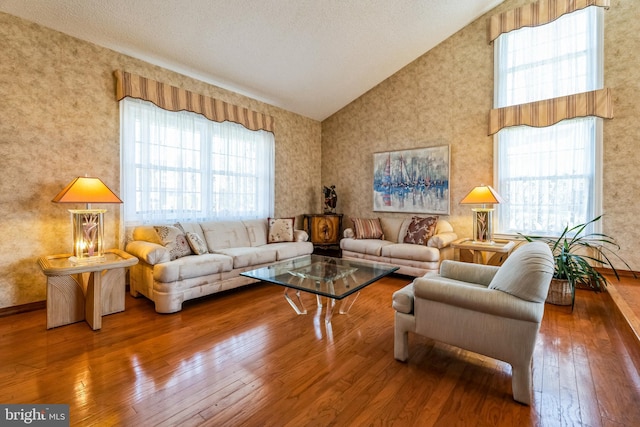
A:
<point x="415" y="244"/>
<point x="190" y="260"/>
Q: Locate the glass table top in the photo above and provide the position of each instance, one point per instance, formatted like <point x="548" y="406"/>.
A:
<point x="331" y="277"/>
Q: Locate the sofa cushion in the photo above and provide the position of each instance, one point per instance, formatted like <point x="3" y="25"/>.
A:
<point x="257" y="231"/>
<point x="174" y="240"/>
<point x="391" y="228"/>
<point x="192" y="266"/>
<point x="420" y="230"/>
<point x="525" y="271"/>
<point x="225" y="234"/>
<point x="192" y="227"/>
<point x="280" y="230"/>
<point x="286" y="250"/>
<point x="410" y="251"/>
<point x="248" y="256"/>
<point x="364" y="246"/>
<point x="367" y="228"/>
<point x="198" y="246"/>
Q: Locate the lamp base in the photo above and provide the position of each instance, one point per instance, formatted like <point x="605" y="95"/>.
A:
<point x="483" y="225"/>
<point x="88" y="234"/>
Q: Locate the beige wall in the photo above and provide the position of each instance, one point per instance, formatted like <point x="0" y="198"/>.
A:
<point x="59" y="119"/>
<point x="444" y="97"/>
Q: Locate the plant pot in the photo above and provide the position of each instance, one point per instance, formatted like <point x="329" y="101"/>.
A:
<point x="560" y="292"/>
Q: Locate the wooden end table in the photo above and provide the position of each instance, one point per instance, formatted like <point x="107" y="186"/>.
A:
<point x="482" y="253"/>
<point x="77" y="292"/>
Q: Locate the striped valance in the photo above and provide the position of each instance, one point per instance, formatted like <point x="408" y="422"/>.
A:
<point x="537" y="13"/>
<point x="551" y="111"/>
<point x="176" y="99"/>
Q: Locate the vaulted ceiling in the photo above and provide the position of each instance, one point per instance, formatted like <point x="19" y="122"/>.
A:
<point x="311" y="57"/>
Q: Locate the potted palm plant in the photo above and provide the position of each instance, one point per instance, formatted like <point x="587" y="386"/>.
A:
<point x="576" y="255"/>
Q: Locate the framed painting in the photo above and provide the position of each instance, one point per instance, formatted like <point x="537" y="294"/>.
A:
<point x="415" y="181"/>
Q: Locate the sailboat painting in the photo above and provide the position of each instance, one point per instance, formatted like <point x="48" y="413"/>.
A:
<point x="415" y="181"/>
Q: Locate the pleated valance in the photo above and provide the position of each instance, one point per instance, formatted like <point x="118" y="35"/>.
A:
<point x="537" y="13"/>
<point x="174" y="98"/>
<point x="551" y="111"/>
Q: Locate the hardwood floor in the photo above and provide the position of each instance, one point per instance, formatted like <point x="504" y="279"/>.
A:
<point x="244" y="358"/>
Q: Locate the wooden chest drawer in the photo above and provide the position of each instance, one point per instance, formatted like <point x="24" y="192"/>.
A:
<point x="323" y="229"/>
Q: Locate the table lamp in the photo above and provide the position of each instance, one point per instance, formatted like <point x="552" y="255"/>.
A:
<point x="88" y="224"/>
<point x="483" y="216"/>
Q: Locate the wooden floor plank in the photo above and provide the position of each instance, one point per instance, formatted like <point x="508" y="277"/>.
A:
<point x="244" y="357"/>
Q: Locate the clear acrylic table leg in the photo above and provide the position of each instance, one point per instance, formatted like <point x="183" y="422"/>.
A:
<point x="299" y="310"/>
<point x="347" y="303"/>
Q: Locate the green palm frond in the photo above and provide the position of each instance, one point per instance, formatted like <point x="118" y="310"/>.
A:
<point x="576" y="254"/>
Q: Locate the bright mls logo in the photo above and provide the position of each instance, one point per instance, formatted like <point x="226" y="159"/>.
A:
<point x="36" y="415"/>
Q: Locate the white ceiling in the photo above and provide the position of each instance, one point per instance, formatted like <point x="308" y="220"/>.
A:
<point x="311" y="57"/>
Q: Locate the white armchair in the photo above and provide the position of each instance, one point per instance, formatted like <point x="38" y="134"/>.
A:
<point x="494" y="311"/>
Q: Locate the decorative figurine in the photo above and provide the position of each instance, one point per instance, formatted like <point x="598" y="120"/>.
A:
<point x="330" y="199"/>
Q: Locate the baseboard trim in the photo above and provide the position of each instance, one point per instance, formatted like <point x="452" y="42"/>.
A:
<point x="23" y="308"/>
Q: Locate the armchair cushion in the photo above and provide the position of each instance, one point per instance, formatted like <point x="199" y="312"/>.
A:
<point x="476" y="298"/>
<point x="522" y="273"/>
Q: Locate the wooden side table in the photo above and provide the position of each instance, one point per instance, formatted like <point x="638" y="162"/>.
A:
<point x="467" y="250"/>
<point x="323" y="229"/>
<point x="78" y="292"/>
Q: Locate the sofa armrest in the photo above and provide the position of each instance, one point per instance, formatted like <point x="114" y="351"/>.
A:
<point x="442" y="240"/>
<point x="151" y="253"/>
<point x="300" y="236"/>
<point x="467" y="272"/>
<point x="348" y="233"/>
<point x="477" y="298"/>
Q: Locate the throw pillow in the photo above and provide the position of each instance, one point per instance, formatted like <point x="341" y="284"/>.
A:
<point x="198" y="246"/>
<point x="280" y="230"/>
<point x="174" y="240"/>
<point x="526" y="273"/>
<point x="367" y="228"/>
<point x="420" y="230"/>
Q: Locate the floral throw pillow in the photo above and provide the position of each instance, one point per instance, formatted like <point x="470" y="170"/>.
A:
<point x="420" y="230"/>
<point x="198" y="246"/>
<point x="174" y="240"/>
<point x="367" y="228"/>
<point x="280" y="230"/>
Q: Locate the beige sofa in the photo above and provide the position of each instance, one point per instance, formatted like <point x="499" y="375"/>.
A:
<point x="168" y="274"/>
<point x="413" y="260"/>
<point x="494" y="311"/>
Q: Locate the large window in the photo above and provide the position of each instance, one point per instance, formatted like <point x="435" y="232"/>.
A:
<point x="550" y="175"/>
<point x="179" y="166"/>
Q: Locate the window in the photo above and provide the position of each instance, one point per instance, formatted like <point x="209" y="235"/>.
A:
<point x="550" y="176"/>
<point x="179" y="166"/>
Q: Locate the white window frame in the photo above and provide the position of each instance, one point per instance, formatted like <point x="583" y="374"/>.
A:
<point x="212" y="168"/>
<point x="503" y="228"/>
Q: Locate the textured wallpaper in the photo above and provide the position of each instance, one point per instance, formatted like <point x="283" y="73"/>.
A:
<point x="59" y="119"/>
<point x="444" y="97"/>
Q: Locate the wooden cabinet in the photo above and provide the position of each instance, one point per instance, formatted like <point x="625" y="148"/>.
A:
<point x="323" y="229"/>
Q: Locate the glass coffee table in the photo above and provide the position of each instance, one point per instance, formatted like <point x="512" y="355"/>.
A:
<point x="333" y="278"/>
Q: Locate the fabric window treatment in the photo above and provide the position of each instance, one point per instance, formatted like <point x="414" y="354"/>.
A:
<point x="173" y="98"/>
<point x="551" y="111"/>
<point x="537" y="13"/>
<point x="544" y="75"/>
<point x="179" y="166"/>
